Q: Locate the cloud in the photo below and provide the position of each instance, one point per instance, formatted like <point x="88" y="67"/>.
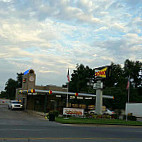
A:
<point x="118" y="50"/>
<point x="50" y="36"/>
<point x="133" y="2"/>
<point x="46" y="71"/>
<point x="118" y="27"/>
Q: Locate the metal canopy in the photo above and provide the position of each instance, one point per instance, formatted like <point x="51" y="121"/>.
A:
<point x="63" y="93"/>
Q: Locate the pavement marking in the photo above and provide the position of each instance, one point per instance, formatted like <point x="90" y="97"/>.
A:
<point x="21" y="129"/>
<point x="103" y="125"/>
<point x="130" y="131"/>
<point x="76" y="138"/>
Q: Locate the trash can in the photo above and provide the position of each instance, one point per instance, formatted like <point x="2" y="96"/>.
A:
<point x="51" y="117"/>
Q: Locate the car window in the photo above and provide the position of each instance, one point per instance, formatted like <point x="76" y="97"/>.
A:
<point x="15" y="102"/>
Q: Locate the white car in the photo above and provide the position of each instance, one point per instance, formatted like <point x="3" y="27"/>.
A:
<point x="92" y="112"/>
<point x="109" y="112"/>
<point x="14" y="104"/>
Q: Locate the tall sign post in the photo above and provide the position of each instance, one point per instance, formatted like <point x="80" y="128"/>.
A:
<point x="100" y="73"/>
<point x="99" y="100"/>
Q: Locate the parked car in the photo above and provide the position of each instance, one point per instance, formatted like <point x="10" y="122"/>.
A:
<point x="109" y="112"/>
<point x="92" y="112"/>
<point x="14" y="104"/>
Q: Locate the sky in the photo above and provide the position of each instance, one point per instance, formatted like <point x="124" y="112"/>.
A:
<point x="51" y="36"/>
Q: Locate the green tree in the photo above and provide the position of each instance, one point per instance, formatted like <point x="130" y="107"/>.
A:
<point x="116" y="78"/>
<point x="3" y="94"/>
<point x="133" y="69"/>
<point x="79" y="79"/>
<point x="19" y="79"/>
<point x="10" y="88"/>
<point x="116" y="85"/>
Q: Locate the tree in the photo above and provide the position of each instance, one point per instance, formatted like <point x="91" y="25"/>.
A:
<point x="3" y="94"/>
<point x="19" y="79"/>
<point x="116" y="85"/>
<point x="133" y="69"/>
<point x="116" y="78"/>
<point x="120" y="98"/>
<point x="10" y="88"/>
<point x="79" y="79"/>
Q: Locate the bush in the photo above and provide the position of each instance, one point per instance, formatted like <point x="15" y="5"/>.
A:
<point x="115" y="116"/>
<point x="104" y="116"/>
<point x="129" y="117"/>
<point x="55" y="113"/>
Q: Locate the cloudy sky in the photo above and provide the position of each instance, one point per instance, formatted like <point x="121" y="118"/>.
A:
<point x="51" y="35"/>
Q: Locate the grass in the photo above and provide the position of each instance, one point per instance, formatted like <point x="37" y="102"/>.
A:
<point x="73" y="120"/>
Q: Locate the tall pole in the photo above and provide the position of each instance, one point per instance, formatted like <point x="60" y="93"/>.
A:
<point x="68" y="77"/>
<point x="128" y="87"/>
<point x="129" y="93"/>
<point x="99" y="92"/>
<point x="67" y="95"/>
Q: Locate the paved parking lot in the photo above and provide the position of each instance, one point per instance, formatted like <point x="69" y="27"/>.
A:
<point x="19" y="126"/>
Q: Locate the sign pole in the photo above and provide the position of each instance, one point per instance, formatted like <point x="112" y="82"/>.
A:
<point x="101" y="72"/>
<point x="99" y="97"/>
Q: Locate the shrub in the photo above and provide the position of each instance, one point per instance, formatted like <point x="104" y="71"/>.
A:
<point x="115" y="116"/>
<point x="129" y="117"/>
<point x="56" y="113"/>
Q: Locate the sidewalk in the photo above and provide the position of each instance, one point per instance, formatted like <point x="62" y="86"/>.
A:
<point x="36" y="113"/>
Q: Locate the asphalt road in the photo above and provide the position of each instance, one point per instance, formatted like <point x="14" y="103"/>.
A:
<point x="19" y="126"/>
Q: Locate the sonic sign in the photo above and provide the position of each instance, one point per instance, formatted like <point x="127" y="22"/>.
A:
<point x="102" y="72"/>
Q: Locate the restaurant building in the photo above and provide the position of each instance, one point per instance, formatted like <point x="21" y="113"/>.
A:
<point x="51" y="97"/>
<point x="43" y="100"/>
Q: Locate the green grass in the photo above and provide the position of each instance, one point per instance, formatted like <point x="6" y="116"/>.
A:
<point x="73" y="120"/>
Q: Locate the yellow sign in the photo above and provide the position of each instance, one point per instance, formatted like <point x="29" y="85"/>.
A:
<point x="101" y="73"/>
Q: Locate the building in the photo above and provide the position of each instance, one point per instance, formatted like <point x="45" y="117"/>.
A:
<point x="40" y="101"/>
<point x="50" y="97"/>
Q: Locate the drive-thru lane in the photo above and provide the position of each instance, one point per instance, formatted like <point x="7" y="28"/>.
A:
<point x="19" y="126"/>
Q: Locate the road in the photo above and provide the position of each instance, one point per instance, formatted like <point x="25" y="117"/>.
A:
<point x="19" y="126"/>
